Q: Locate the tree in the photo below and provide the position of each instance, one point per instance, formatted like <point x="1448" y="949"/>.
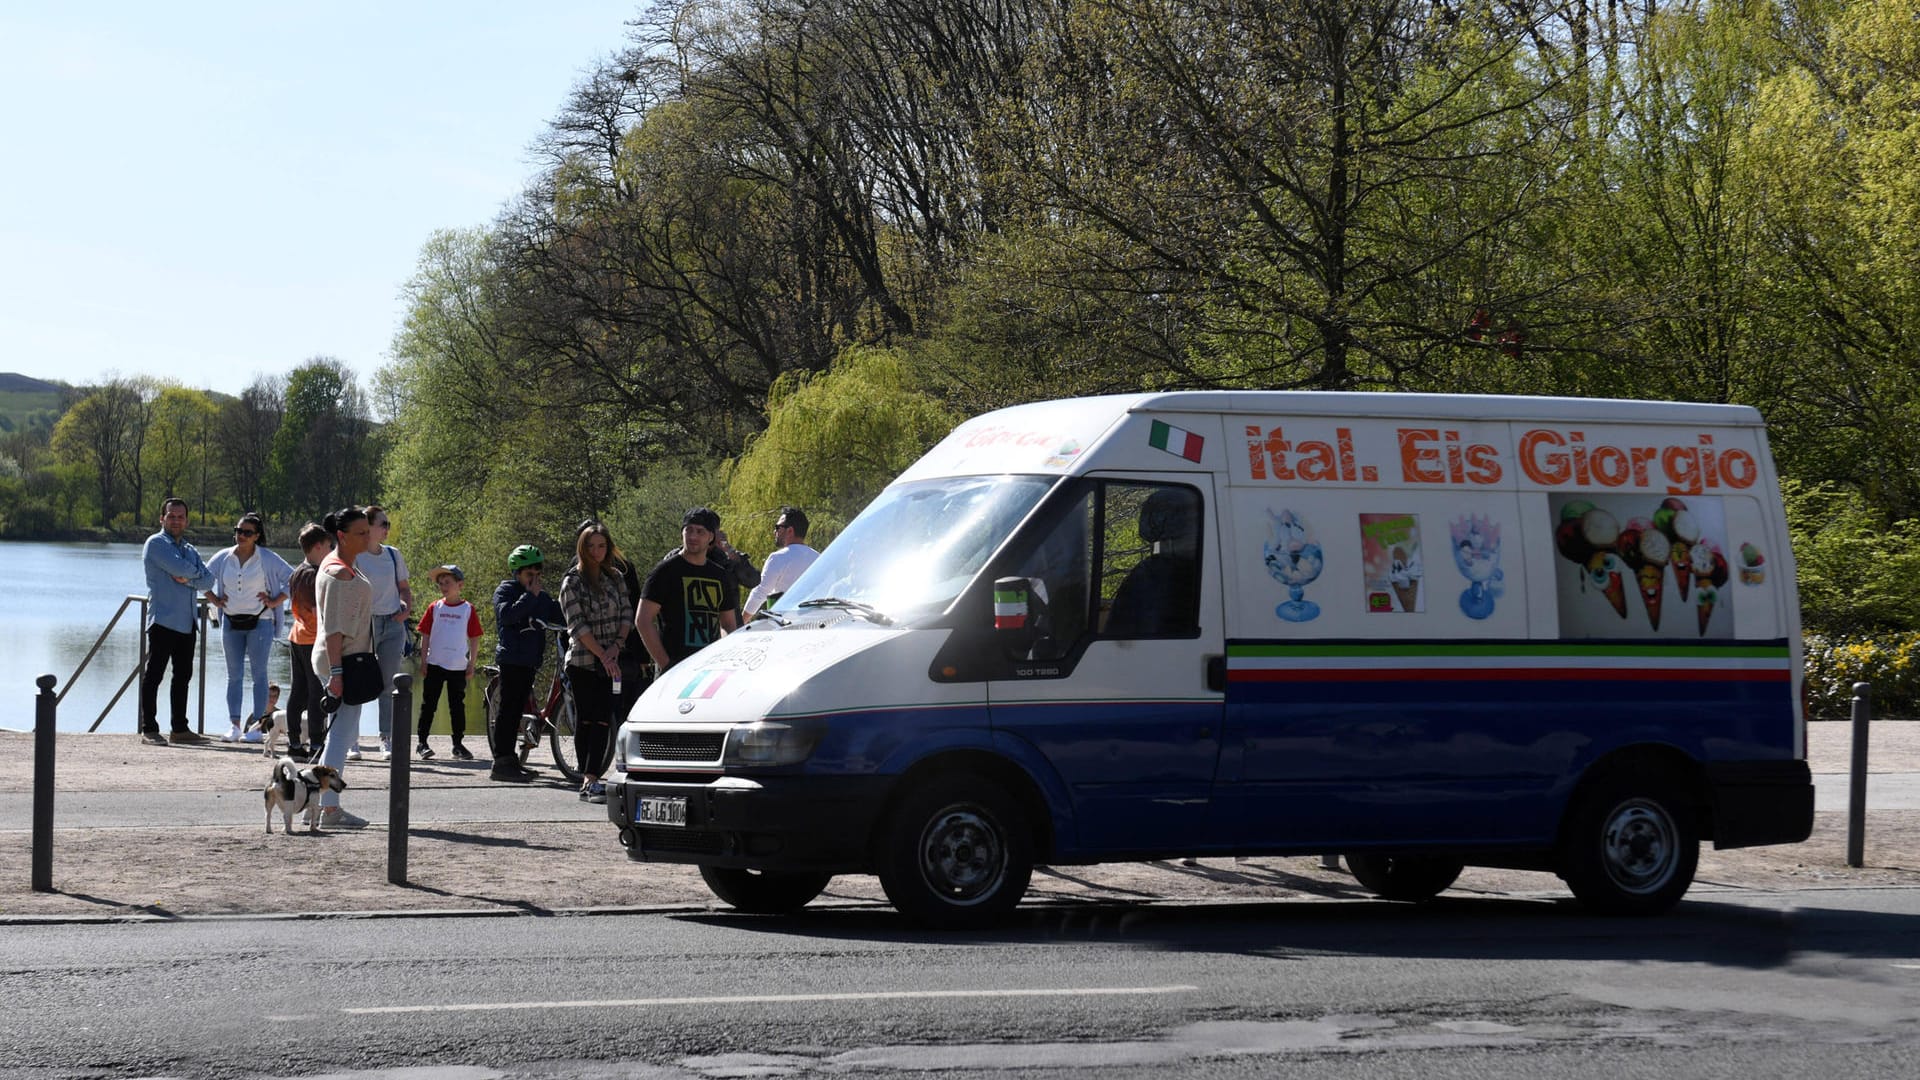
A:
<point x="244" y="440"/>
<point x="320" y="456"/>
<point x="834" y="440"/>
<point x="175" y="440"/>
<point x="96" y="433"/>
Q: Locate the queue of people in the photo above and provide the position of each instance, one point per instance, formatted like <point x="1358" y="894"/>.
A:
<point x="349" y="604"/>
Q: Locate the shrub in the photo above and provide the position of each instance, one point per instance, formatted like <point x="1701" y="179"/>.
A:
<point x="1891" y="662"/>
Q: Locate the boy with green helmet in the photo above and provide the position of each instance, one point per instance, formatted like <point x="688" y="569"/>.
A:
<point x="518" y="602"/>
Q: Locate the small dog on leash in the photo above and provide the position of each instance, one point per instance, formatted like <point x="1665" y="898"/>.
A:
<point x="294" y="790"/>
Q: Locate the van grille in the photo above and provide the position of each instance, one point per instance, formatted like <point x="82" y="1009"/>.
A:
<point x="679" y="745"/>
<point x="682" y="841"/>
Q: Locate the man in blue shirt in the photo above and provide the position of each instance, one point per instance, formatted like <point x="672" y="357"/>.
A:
<point x="174" y="573"/>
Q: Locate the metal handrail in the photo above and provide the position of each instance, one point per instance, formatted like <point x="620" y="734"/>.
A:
<point x="140" y="665"/>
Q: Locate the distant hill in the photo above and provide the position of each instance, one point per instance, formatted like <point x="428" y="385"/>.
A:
<point x="26" y="384"/>
<point x="23" y="399"/>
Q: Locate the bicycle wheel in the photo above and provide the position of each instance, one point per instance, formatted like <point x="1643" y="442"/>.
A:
<point x="490" y="708"/>
<point x="560" y="737"/>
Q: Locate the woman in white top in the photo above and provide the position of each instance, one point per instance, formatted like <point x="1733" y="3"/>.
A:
<point x="249" y="588"/>
<point x="386" y="571"/>
<point x="343" y="613"/>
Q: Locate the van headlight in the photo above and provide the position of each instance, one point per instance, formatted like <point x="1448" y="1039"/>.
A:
<point x="771" y="743"/>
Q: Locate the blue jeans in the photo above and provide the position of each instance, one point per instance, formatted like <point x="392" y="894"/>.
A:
<point x="343" y="734"/>
<point x="252" y="647"/>
<point x="389" y="636"/>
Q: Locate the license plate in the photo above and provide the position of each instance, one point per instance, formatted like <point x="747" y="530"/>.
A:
<point x="661" y="810"/>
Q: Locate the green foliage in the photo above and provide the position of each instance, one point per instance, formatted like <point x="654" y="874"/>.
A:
<point x="832" y="442"/>
<point x="1859" y="573"/>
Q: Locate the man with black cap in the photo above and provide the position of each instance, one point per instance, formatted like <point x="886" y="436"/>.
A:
<point x="688" y="600"/>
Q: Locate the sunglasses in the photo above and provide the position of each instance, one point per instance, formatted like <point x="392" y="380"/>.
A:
<point x="245" y="532"/>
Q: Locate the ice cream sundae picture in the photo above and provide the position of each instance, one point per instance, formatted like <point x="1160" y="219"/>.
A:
<point x="1390" y="556"/>
<point x="1294" y="559"/>
<point x="1753" y="568"/>
<point x="1476" y="554"/>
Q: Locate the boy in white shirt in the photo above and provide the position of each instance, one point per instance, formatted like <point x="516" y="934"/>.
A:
<point x="449" y="636"/>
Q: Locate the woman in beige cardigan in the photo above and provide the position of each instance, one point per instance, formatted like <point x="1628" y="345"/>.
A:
<point x="343" y="602"/>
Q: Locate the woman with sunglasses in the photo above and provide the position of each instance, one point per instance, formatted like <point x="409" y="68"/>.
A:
<point x="250" y="586"/>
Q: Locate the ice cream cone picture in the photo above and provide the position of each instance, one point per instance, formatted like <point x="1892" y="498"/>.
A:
<point x="1682" y="531"/>
<point x="1406" y="584"/>
<point x="1710" y="567"/>
<point x="1587" y="536"/>
<point x="1646" y="549"/>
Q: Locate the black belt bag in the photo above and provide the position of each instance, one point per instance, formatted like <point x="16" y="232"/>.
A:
<point x="359" y="678"/>
<point x="243" y="622"/>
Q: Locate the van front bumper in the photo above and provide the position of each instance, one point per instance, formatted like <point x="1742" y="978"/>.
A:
<point x="1760" y="802"/>
<point x="779" y="823"/>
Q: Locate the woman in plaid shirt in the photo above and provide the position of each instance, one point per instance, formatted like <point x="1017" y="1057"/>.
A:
<point x="599" y="615"/>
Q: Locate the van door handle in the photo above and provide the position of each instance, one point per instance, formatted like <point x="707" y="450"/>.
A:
<point x="1217" y="673"/>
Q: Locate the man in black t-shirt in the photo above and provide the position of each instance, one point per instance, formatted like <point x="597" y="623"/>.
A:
<point x="688" y="601"/>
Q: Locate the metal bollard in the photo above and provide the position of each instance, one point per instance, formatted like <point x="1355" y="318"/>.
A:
<point x="43" y="719"/>
<point x="400" y="781"/>
<point x="1857" y="792"/>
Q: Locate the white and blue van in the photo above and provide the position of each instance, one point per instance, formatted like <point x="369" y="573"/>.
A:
<point x="1422" y="631"/>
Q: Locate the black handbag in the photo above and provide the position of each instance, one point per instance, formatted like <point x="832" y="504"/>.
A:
<point x="242" y="622"/>
<point x="359" y="678"/>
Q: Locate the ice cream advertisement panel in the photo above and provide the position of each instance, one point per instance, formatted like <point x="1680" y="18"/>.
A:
<point x="1390" y="554"/>
<point x="1641" y="567"/>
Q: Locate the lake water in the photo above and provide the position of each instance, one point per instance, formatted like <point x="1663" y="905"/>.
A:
<point x="57" y="599"/>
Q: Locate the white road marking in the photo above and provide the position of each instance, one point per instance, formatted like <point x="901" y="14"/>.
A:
<point x="771" y="999"/>
<point x="1908" y="967"/>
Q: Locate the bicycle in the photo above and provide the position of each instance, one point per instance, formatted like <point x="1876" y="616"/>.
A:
<point x="551" y="715"/>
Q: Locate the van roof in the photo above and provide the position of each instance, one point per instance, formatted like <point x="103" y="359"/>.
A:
<point x="1435" y="406"/>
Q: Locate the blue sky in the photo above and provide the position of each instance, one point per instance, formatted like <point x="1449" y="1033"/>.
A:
<point x="208" y="192"/>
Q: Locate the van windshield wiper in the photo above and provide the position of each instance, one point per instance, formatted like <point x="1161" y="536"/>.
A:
<point x="767" y="613"/>
<point x="873" y="614"/>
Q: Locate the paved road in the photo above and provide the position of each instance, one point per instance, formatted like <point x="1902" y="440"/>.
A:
<point x="1812" y="984"/>
<point x="500" y="802"/>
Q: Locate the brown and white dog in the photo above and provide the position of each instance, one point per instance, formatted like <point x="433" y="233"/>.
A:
<point x="292" y="790"/>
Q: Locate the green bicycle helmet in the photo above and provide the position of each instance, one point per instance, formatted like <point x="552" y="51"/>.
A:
<point x="524" y="556"/>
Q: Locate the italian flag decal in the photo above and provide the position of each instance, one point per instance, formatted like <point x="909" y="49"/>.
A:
<point x="1009" y="608"/>
<point x="1177" y="441"/>
<point x="705" y="684"/>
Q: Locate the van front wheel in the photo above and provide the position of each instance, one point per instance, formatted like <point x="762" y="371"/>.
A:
<point x="956" y="854"/>
<point x="1403" y="877"/>
<point x="760" y="892"/>
<point x="1631" y="846"/>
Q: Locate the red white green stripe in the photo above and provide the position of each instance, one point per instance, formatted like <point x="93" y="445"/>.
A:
<point x="705" y="684"/>
<point x="1173" y="440"/>
<point x="1512" y="661"/>
<point x="1009" y="609"/>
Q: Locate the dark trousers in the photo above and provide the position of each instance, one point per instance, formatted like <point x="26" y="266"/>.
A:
<point x="304" y="701"/>
<point x="516" y="685"/>
<point x="456" y="684"/>
<point x="592" y="717"/>
<point x="165" y="647"/>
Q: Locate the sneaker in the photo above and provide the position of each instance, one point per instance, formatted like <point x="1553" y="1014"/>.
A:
<point x="386" y="747"/>
<point x="509" y="775"/>
<point x="186" y="738"/>
<point x="153" y="737"/>
<point x="333" y="817"/>
<point x="597" y="792"/>
<point x="233" y="734"/>
<point x="298" y="751"/>
<point x="462" y="752"/>
<point x="353" y="752"/>
<point x="423" y="752"/>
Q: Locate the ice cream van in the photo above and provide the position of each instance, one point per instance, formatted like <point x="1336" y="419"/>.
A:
<point x="1423" y="632"/>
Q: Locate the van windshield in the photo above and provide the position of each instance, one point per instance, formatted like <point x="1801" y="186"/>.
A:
<point x="913" y="549"/>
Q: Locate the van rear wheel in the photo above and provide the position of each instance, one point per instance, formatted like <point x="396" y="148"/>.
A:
<point x="1631" y="845"/>
<point x="957" y="854"/>
<point x="1404" y="877"/>
<point x="764" y="892"/>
